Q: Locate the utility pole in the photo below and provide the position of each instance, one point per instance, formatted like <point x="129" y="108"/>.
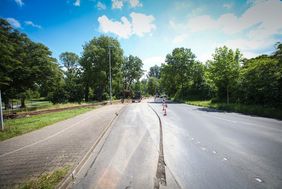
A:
<point x="110" y="67"/>
<point x="1" y="114"/>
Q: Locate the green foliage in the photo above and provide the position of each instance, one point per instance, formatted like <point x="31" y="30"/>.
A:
<point x="261" y="81"/>
<point x="224" y="71"/>
<point x="24" y="64"/>
<point x="95" y="65"/>
<point x="131" y="70"/>
<point x="183" y="77"/>
<point x="153" y="85"/>
<point x="155" y="72"/>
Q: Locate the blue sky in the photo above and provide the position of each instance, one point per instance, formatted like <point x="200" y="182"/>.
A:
<point x="150" y="29"/>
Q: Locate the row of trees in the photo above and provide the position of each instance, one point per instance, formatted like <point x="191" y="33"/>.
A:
<point x="228" y="77"/>
<point x="28" y="68"/>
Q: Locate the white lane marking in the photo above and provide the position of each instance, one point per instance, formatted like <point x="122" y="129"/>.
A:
<point x="225" y="159"/>
<point x="51" y="136"/>
<point x="214" y="152"/>
<point x="258" y="180"/>
<point x="203" y="148"/>
<point x="198" y="142"/>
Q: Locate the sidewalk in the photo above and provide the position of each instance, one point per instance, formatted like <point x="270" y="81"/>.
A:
<point x="63" y="143"/>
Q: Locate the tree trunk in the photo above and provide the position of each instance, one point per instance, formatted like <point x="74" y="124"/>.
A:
<point x="227" y="95"/>
<point x="7" y="104"/>
<point x="23" y="102"/>
<point x="86" y="93"/>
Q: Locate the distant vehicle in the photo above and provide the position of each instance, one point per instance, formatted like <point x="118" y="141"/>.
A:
<point x="137" y="97"/>
<point x="160" y="98"/>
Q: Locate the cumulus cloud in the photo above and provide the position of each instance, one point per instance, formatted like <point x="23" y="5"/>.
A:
<point x="142" y="23"/>
<point x="135" y="3"/>
<point x="121" y="28"/>
<point x="139" y="25"/>
<point x="14" y="22"/>
<point x="76" y="3"/>
<point x="263" y="18"/>
<point x="30" y="23"/>
<point x="118" y="4"/>
<point x="257" y="26"/>
<point x="101" y="6"/>
<point x="19" y="2"/>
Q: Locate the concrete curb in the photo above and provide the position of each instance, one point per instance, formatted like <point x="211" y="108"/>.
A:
<point x="65" y="182"/>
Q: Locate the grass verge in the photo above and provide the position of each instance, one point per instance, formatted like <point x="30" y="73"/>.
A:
<point x="15" y="127"/>
<point x="257" y="110"/>
<point x="47" y="180"/>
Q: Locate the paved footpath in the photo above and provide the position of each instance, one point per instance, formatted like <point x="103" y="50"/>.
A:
<point x="57" y="145"/>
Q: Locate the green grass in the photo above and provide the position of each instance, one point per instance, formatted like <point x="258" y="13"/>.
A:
<point x="47" y="180"/>
<point x="258" y="110"/>
<point x="15" y="127"/>
<point x="44" y="105"/>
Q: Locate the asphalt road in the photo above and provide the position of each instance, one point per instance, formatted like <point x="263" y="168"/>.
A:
<point x="202" y="148"/>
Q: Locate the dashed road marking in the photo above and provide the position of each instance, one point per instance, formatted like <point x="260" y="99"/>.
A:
<point x="203" y="148"/>
<point x="214" y="152"/>
<point x="198" y="142"/>
<point x="258" y="180"/>
<point x="225" y="159"/>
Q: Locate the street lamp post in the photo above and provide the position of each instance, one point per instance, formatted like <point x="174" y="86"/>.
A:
<point x="110" y="72"/>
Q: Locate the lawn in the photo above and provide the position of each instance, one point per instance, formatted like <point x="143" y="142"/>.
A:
<point x="15" y="127"/>
<point x="258" y="110"/>
<point x="48" y="180"/>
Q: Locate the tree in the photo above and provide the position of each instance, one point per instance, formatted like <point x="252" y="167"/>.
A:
<point x="153" y="86"/>
<point x="131" y="70"/>
<point x="154" y="72"/>
<point x="176" y="74"/>
<point x="95" y="65"/>
<point x="73" y="81"/>
<point x="261" y="81"/>
<point x="70" y="61"/>
<point x="223" y="70"/>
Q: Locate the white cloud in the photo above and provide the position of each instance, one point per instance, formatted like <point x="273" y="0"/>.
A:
<point x="139" y="25"/>
<point x="121" y="28"/>
<point x="151" y="61"/>
<point x="228" y="5"/>
<point x="19" y="2"/>
<point x="101" y="6"/>
<point x="256" y="27"/>
<point x="135" y="3"/>
<point x="262" y="17"/>
<point x="76" y="3"/>
<point x="14" y="22"/>
<point x="117" y="4"/>
<point x="179" y="38"/>
<point x="30" y="23"/>
<point x="142" y="23"/>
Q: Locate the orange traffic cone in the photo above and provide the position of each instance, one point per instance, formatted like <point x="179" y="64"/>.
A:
<point x="164" y="112"/>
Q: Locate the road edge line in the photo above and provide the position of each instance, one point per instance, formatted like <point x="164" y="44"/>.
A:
<point x="65" y="182"/>
<point x="160" y="173"/>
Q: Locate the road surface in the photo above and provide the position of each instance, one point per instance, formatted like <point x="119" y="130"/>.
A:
<point x="202" y="148"/>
